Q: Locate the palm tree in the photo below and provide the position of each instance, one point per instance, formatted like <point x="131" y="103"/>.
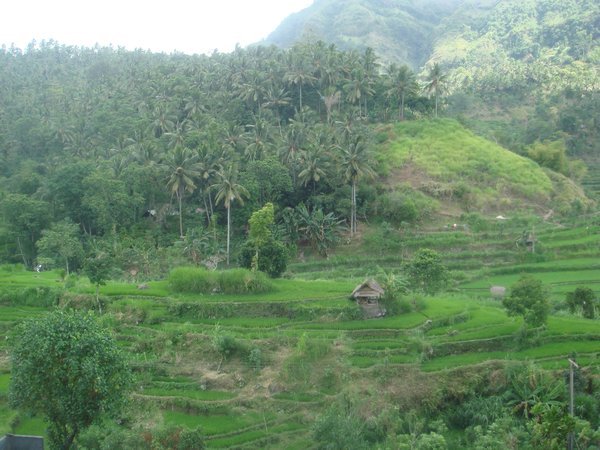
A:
<point x="435" y="83"/>
<point x="228" y="190"/>
<point x="315" y="159"/>
<point x="356" y="163"/>
<point x="402" y="82"/>
<point x="299" y="73"/>
<point x="182" y="167"/>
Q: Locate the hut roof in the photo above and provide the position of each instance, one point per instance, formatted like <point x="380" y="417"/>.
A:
<point x="368" y="288"/>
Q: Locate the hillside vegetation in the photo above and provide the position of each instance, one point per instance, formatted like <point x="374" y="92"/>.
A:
<point x="400" y="31"/>
<point x="449" y="161"/>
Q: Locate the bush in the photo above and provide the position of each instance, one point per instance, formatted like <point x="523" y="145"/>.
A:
<point x="406" y="206"/>
<point x="243" y="281"/>
<point x="272" y="257"/>
<point x="582" y="300"/>
<point x="426" y="271"/>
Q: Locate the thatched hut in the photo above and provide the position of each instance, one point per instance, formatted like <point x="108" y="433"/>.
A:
<point x="367" y="295"/>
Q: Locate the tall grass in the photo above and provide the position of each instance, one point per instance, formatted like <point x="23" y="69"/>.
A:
<point x="196" y="280"/>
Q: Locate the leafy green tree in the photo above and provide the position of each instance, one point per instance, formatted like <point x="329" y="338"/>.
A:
<point x="271" y="257"/>
<point x="97" y="268"/>
<point x="60" y="244"/>
<point x="108" y="202"/>
<point x="528" y="299"/>
<point x="25" y="219"/>
<point x="427" y="272"/>
<point x="261" y="251"/>
<point x="228" y="191"/>
<point x="67" y="367"/>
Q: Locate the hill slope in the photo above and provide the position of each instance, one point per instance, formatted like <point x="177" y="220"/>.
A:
<point x="444" y="160"/>
<point x="397" y="30"/>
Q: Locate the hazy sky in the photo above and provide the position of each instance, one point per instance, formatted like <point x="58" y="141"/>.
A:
<point x="189" y="26"/>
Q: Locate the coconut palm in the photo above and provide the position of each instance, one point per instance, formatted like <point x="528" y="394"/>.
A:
<point x="435" y="83"/>
<point x="182" y="166"/>
<point x="402" y="82"/>
<point x="355" y="160"/>
<point x="228" y="191"/>
<point x="299" y="73"/>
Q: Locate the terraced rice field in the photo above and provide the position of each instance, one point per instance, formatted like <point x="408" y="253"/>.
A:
<point x="299" y="347"/>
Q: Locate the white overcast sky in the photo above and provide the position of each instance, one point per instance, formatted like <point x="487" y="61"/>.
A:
<point x="187" y="26"/>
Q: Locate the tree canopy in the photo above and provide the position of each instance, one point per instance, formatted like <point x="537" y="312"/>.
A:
<point x="68" y="368"/>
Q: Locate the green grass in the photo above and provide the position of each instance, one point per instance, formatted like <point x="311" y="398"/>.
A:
<point x="554" y="350"/>
<point x="446" y="151"/>
<point x="254" y="435"/>
<point x="33" y="426"/>
<point x="4" y="381"/>
<point x="215" y="423"/>
<point x="194" y="394"/>
<point x="19" y="313"/>
<point x="559" y="281"/>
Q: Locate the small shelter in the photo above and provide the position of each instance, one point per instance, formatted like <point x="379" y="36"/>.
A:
<point x="16" y="442"/>
<point x="367" y="295"/>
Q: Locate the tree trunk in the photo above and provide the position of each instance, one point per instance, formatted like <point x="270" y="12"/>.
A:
<point x="180" y="216"/>
<point x="300" y="89"/>
<point x="228" y="231"/>
<point x="402" y="107"/>
<point x="206" y="209"/>
<point x="353" y="210"/>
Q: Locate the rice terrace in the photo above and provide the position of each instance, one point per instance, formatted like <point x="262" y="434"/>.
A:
<point x="254" y="370"/>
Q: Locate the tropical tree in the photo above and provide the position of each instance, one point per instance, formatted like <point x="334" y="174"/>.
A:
<point x="298" y="73"/>
<point x="68" y="368"/>
<point x="228" y="191"/>
<point x="402" y="82"/>
<point x="183" y="170"/>
<point x="356" y="164"/>
<point x="60" y="242"/>
<point x="528" y="299"/>
<point x="427" y="272"/>
<point x="319" y="229"/>
<point x="435" y="83"/>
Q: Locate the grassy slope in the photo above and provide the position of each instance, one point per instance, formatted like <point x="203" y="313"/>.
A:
<point x="446" y="152"/>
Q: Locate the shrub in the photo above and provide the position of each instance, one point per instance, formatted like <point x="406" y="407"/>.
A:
<point x="243" y="281"/>
<point x="528" y="299"/>
<point x="426" y="271"/>
<point x="272" y="257"/>
<point x="255" y="359"/>
<point x="582" y="299"/>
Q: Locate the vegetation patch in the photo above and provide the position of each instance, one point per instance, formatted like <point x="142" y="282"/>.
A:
<point x="235" y="281"/>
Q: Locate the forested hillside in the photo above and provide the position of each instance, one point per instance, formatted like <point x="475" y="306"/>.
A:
<point x="518" y="71"/>
<point x="152" y="147"/>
